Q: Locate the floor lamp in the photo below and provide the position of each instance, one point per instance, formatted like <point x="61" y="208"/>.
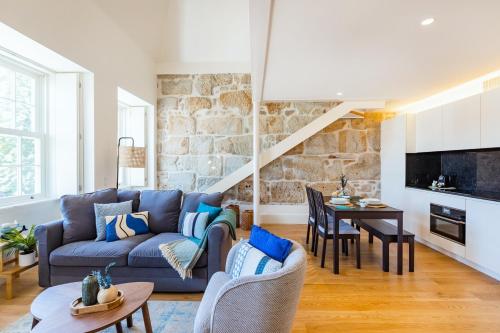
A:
<point x="129" y="156"/>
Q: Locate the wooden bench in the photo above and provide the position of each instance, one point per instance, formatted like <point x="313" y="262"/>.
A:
<point x="388" y="234"/>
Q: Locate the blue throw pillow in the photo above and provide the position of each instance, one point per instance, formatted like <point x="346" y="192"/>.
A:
<point x="112" y="209"/>
<point x="123" y="226"/>
<point x="275" y="247"/>
<point x="212" y="211"/>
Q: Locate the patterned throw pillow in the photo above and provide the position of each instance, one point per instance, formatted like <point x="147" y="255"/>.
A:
<point x="112" y="209"/>
<point x="123" y="226"/>
<point x="194" y="224"/>
<point x="252" y="261"/>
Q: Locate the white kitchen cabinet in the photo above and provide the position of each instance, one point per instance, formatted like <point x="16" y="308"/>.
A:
<point x="490" y="118"/>
<point x="481" y="234"/>
<point x="429" y="130"/>
<point x="462" y="124"/>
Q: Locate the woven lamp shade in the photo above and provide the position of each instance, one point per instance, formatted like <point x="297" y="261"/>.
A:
<point x="132" y="157"/>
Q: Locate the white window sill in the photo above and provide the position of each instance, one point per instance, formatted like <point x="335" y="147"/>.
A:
<point x="29" y="202"/>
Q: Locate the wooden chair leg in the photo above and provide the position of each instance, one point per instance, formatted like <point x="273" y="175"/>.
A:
<point x="358" y="252"/>
<point x="316" y="240"/>
<point x="313" y="237"/>
<point x="308" y="231"/>
<point x="353" y="224"/>
<point x="323" y="253"/>
<point x="346" y="248"/>
<point x="370" y="238"/>
<point x="342" y="245"/>
<point x="385" y="255"/>
<point x="411" y="255"/>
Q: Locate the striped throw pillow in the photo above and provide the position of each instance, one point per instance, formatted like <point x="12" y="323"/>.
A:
<point x="252" y="261"/>
<point x="194" y="224"/>
<point x="123" y="226"/>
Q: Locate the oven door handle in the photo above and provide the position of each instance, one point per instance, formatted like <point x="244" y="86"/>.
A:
<point x="447" y="219"/>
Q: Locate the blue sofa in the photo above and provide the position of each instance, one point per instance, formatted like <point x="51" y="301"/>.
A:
<point x="68" y="250"/>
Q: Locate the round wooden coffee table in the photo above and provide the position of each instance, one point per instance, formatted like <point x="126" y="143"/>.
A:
<point x="51" y="309"/>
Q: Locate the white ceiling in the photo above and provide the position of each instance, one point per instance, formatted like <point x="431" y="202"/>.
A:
<point x="185" y="31"/>
<point x="367" y="49"/>
<point x="377" y="49"/>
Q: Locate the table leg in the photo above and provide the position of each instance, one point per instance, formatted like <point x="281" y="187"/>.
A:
<point x="147" y="320"/>
<point x="336" y="245"/>
<point x="8" y="287"/>
<point x="400" y="244"/>
<point x="34" y="322"/>
<point x="119" y="328"/>
<point x="130" y="321"/>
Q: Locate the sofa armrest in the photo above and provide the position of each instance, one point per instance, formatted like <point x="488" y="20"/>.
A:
<point x="49" y="237"/>
<point x="219" y="244"/>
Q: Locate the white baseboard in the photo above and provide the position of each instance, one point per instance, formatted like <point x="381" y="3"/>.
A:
<point x="281" y="214"/>
<point x="461" y="259"/>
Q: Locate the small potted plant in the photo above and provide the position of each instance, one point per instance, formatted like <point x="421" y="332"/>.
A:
<point x="107" y="291"/>
<point x="24" y="243"/>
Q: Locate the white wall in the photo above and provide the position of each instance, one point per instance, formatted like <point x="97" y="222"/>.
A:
<point x="81" y="32"/>
<point x="206" y="37"/>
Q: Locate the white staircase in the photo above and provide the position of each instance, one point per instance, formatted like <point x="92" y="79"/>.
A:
<point x="291" y="141"/>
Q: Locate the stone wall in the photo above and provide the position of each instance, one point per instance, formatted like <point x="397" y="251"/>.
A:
<point x="204" y="134"/>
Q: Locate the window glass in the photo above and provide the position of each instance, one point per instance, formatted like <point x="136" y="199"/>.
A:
<point x="21" y="133"/>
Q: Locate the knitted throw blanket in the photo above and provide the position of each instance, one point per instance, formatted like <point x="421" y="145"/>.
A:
<point x="183" y="254"/>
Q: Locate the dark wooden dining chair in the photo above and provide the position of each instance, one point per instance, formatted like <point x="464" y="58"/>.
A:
<point x="311" y="219"/>
<point x="325" y="230"/>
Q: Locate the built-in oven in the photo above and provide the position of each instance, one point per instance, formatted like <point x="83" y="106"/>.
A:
<point x="448" y="223"/>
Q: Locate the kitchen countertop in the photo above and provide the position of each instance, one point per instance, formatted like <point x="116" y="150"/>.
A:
<point x="492" y="196"/>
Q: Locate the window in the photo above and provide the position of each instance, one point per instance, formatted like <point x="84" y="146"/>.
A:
<point x="21" y="132"/>
<point x="132" y="122"/>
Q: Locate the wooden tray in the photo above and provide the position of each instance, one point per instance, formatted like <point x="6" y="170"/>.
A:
<point x="77" y="307"/>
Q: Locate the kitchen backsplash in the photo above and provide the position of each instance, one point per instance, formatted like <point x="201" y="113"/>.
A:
<point x="467" y="170"/>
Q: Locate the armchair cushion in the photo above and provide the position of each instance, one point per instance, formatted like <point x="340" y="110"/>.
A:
<point x="251" y="261"/>
<point x="79" y="215"/>
<point x="163" y="208"/>
<point x="275" y="247"/>
<point x="202" y="320"/>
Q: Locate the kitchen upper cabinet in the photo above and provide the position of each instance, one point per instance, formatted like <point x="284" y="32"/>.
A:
<point x="490" y="118"/>
<point x="481" y="234"/>
<point x="429" y="130"/>
<point x="462" y="124"/>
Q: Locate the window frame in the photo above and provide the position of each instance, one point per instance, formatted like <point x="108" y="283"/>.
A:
<point x="40" y="129"/>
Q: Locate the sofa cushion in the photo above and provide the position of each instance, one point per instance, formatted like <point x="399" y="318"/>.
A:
<point x="91" y="253"/>
<point x="191" y="201"/>
<point x="164" y="209"/>
<point x="126" y="195"/>
<point x="79" y="216"/>
<point x="148" y="254"/>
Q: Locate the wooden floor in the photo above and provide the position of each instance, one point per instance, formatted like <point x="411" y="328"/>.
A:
<point x="442" y="295"/>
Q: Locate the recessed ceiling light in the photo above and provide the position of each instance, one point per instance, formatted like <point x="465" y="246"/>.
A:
<point x="427" y="21"/>
<point x="340" y="93"/>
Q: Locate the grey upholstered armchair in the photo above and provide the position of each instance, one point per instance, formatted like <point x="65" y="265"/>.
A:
<point x="253" y="304"/>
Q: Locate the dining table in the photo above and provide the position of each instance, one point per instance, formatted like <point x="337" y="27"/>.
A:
<point x="354" y="211"/>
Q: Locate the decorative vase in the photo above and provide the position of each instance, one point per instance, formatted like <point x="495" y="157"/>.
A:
<point x="90" y="288"/>
<point x="27" y="259"/>
<point x="107" y="295"/>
